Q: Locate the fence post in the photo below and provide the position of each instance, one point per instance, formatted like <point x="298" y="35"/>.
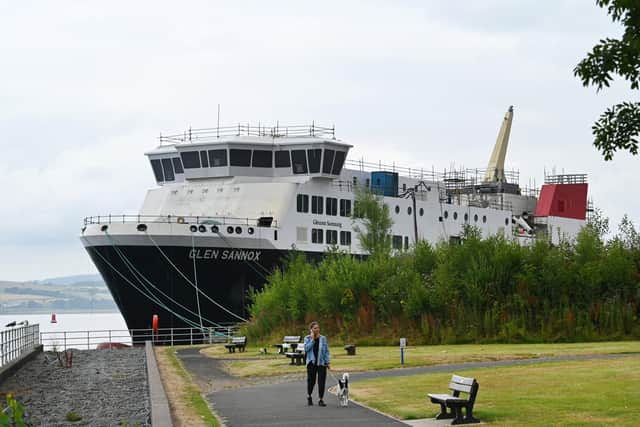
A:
<point x="109" y="339"/>
<point x="191" y="336"/>
<point x="88" y="340"/>
<point x="171" y="337"/>
<point x="64" y="336"/>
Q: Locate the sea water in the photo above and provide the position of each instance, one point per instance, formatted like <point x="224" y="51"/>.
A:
<point x="77" y="330"/>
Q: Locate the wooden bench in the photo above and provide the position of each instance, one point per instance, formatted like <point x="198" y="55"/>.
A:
<point x="456" y="403"/>
<point x="237" y="342"/>
<point x="297" y="357"/>
<point x="288" y="342"/>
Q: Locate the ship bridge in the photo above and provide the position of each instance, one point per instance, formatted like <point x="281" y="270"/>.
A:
<point x="249" y="151"/>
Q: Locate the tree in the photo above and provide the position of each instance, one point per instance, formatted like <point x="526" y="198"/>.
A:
<point x="618" y="127"/>
<point x="373" y="223"/>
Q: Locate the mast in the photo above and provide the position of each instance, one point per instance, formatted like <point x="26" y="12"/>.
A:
<point x="495" y="168"/>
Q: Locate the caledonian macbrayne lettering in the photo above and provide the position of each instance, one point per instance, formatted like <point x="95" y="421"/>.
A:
<point x="225" y="255"/>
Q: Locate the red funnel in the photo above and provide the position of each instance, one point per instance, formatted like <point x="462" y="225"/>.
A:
<point x="53" y="318"/>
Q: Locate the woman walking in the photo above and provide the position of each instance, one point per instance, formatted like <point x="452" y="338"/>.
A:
<point x="318" y="357"/>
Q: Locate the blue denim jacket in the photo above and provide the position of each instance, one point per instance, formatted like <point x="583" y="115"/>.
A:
<point x="323" y="350"/>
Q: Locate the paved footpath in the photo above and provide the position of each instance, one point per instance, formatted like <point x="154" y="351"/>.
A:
<point x="284" y="403"/>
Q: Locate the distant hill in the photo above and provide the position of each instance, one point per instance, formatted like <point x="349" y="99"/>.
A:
<point x="72" y="280"/>
<point x="72" y="293"/>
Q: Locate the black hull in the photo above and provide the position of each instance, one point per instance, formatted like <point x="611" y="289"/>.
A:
<point x="225" y="275"/>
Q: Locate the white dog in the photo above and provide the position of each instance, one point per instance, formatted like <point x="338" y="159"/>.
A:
<point x="343" y="390"/>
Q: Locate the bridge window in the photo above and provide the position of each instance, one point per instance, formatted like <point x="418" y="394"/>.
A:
<point x="332" y="237"/>
<point x="345" y="238"/>
<point x="303" y="203"/>
<point x="157" y="170"/>
<point x="316" y="204"/>
<point x="167" y="167"/>
<point x="327" y="163"/>
<point x="204" y="159"/>
<point x="190" y="159"/>
<point x="332" y="206"/>
<point x="338" y="161"/>
<point x="262" y="159"/>
<point x="217" y="158"/>
<point x="314" y="160"/>
<point x="283" y="160"/>
<point x="345" y="207"/>
<point x="177" y="165"/>
<point x="316" y="235"/>
<point x="299" y="160"/>
<point x="239" y="157"/>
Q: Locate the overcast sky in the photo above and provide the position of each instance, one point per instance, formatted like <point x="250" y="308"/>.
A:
<point x="87" y="86"/>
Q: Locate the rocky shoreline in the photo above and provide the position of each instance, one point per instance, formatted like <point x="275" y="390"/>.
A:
<point x="103" y="387"/>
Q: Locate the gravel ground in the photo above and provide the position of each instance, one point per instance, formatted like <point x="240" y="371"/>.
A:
<point x="104" y="387"/>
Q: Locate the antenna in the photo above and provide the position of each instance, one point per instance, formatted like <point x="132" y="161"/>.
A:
<point x="218" y="127"/>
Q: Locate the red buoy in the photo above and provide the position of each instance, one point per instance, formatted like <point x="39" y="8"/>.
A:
<point x="53" y="318"/>
<point x="154" y="324"/>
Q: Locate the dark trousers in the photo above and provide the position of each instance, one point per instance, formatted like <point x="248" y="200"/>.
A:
<point x="321" y="372"/>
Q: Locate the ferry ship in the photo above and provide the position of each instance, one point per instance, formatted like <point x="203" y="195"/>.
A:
<point x="232" y="202"/>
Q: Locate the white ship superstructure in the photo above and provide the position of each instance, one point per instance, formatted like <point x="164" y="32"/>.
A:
<point x="231" y="202"/>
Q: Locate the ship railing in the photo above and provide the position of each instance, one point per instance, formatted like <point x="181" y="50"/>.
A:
<point x="16" y="341"/>
<point x="180" y="219"/>
<point x="575" y="178"/>
<point x="461" y="177"/>
<point x="211" y="134"/>
<point x="114" y="338"/>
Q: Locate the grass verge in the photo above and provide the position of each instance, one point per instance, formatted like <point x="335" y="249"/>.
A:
<point x="251" y="363"/>
<point x="594" y="392"/>
<point x="188" y="407"/>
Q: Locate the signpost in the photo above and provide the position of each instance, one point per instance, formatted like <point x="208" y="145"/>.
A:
<point x="403" y="345"/>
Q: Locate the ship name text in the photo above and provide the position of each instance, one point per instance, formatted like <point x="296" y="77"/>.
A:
<point x="225" y="255"/>
<point x="327" y="223"/>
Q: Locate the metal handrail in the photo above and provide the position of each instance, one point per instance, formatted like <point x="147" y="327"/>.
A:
<point x="462" y="176"/>
<point x="175" y="219"/>
<point x="15" y="341"/>
<point x="87" y="340"/>
<point x="277" y="131"/>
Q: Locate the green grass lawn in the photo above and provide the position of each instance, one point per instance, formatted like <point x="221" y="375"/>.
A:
<point x="594" y="392"/>
<point x="251" y="363"/>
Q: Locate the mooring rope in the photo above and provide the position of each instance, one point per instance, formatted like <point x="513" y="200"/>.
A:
<point x="189" y="281"/>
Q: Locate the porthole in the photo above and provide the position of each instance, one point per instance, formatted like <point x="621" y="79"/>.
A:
<point x="238" y="230"/>
<point x="466" y="217"/>
<point x="446" y="214"/>
<point x="142" y="227"/>
<point x="397" y="209"/>
<point x="409" y="210"/>
<point x="475" y="218"/>
<point x="455" y="215"/>
<point x="202" y="228"/>
<point x="104" y="228"/>
<point x="193" y="228"/>
<point x="440" y="218"/>
<point x="484" y="219"/>
<point x="215" y="229"/>
<point x="230" y="230"/>
<point x="250" y="230"/>
<point x="421" y="212"/>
